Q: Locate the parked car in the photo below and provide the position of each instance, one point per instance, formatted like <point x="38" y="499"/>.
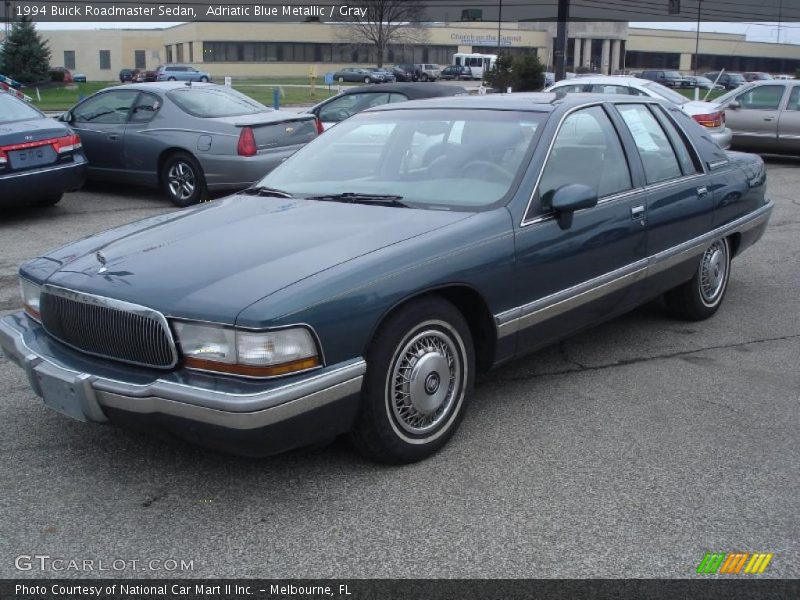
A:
<point x="185" y="139"/>
<point x="384" y="75"/>
<point x="181" y="73"/>
<point x="672" y="79"/>
<point x="428" y="72"/>
<point x="126" y="75"/>
<point x="40" y="158"/>
<point x="357" y="74"/>
<point x="704" y="83"/>
<point x="356" y="99"/>
<point x="79" y="77"/>
<point x="405" y="72"/>
<point x="764" y="116"/>
<point x="756" y="76"/>
<point x="457" y="72"/>
<point x="146" y="77"/>
<point x="710" y="115"/>
<point x="67" y="77"/>
<point x="729" y="81"/>
<point x="362" y="284"/>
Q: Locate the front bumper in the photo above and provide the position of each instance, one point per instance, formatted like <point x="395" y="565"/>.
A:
<point x="213" y="411"/>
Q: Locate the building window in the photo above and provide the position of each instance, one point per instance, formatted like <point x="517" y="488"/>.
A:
<point x="139" y="59"/>
<point x="191" y="51"/>
<point x="179" y="52"/>
<point x="105" y="59"/>
<point x="69" y="59"/>
<point x="168" y="52"/>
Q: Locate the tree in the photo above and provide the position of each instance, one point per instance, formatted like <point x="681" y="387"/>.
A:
<point x="528" y="74"/>
<point x="501" y="75"/>
<point x="385" y="22"/>
<point x="25" y="56"/>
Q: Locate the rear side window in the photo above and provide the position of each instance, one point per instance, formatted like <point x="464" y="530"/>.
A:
<point x="690" y="162"/>
<point x="586" y="150"/>
<point x="145" y="108"/>
<point x="12" y="109"/>
<point x="794" y="99"/>
<point x="212" y="102"/>
<point x="658" y="157"/>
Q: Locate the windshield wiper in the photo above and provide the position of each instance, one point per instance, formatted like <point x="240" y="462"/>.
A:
<point x="355" y="198"/>
<point x="261" y="190"/>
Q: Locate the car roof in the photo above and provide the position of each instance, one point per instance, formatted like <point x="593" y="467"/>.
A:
<point x="411" y="90"/>
<point x="162" y="86"/>
<point x="609" y="79"/>
<point x="521" y="101"/>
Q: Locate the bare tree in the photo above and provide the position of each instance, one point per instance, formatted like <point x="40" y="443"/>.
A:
<point x="385" y="22"/>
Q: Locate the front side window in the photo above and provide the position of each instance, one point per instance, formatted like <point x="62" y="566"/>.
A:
<point x="108" y="107"/>
<point x="763" y="97"/>
<point x="350" y="104"/>
<point x="453" y="159"/>
<point x="658" y="157"/>
<point x="586" y="150"/>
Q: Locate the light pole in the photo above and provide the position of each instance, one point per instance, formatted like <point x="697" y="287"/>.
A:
<point x="561" y="40"/>
<point x="697" y="38"/>
<point x="499" y="24"/>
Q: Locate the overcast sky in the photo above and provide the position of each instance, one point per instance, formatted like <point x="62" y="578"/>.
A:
<point x="757" y="32"/>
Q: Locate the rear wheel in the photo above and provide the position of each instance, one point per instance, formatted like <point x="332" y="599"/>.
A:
<point x="702" y="296"/>
<point x="50" y="200"/>
<point x="420" y="374"/>
<point x="171" y="79"/>
<point x="182" y="179"/>
<point x="366" y="79"/>
<point x="425" y="77"/>
<point x="204" y="79"/>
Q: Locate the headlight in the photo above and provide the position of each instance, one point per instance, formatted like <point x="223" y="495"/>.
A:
<point x="249" y="353"/>
<point x="30" y="298"/>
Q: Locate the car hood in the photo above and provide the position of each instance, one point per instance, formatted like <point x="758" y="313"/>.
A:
<point x="212" y="261"/>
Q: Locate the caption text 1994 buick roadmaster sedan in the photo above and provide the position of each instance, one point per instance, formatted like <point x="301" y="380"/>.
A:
<point x="361" y="285"/>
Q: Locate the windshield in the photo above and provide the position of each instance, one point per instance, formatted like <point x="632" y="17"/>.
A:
<point x="666" y="93"/>
<point x="215" y="101"/>
<point x="434" y="158"/>
<point x="12" y="109"/>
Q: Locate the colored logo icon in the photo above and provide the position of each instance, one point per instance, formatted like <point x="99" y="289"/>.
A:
<point x="734" y="563"/>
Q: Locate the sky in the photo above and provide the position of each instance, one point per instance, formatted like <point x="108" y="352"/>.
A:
<point x="756" y="32"/>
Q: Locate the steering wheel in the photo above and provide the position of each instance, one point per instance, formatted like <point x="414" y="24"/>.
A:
<point x="479" y="163"/>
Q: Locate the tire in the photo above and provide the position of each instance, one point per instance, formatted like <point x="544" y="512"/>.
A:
<point x="403" y="420"/>
<point x="171" y="79"/>
<point x="341" y="79"/>
<point x="204" y="79"/>
<point x="182" y="179"/>
<point x="50" y="200"/>
<point x="366" y="80"/>
<point x="701" y="297"/>
<point x="425" y="77"/>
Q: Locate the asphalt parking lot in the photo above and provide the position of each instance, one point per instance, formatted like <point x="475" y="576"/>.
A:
<point x="628" y="451"/>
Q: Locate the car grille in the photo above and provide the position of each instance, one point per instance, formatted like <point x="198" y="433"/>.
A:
<point x="104" y="327"/>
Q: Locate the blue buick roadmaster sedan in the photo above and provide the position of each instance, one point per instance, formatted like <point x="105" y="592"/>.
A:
<point x="362" y="285"/>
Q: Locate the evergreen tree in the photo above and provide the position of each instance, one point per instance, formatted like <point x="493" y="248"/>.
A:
<point x="25" y="56"/>
<point x="528" y="74"/>
<point x="500" y="76"/>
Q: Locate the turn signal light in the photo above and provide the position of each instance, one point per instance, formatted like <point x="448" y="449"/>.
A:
<point x="247" y="142"/>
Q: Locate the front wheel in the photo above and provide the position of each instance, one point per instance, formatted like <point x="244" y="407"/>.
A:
<point x="204" y="79"/>
<point x="702" y="296"/>
<point x="171" y="79"/>
<point x="425" y="77"/>
<point x="420" y="374"/>
<point x="182" y="179"/>
<point x="366" y="79"/>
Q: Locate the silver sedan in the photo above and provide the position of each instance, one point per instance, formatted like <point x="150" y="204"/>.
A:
<point x="187" y="139"/>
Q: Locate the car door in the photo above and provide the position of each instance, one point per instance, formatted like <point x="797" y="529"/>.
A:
<point x="141" y="150"/>
<point x="755" y="122"/>
<point x="789" y="122"/>
<point x="100" y="122"/>
<point x="571" y="276"/>
<point x="680" y="206"/>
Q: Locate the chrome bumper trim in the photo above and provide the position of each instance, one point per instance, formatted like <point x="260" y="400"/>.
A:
<point x="216" y="407"/>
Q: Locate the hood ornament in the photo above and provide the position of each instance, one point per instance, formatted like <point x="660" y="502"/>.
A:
<point x="102" y="260"/>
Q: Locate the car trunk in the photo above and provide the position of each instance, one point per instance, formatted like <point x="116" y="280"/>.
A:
<point x="31" y="144"/>
<point x="276" y="130"/>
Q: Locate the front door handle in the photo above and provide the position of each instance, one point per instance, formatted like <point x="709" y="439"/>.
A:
<point x="637" y="213"/>
<point x="702" y="191"/>
<point x="769" y="118"/>
<point x="113" y="137"/>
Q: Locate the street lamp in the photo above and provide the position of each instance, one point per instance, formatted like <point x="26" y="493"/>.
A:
<point x="499" y="24"/>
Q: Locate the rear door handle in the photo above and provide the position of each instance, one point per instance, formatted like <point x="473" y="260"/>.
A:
<point x="769" y="118"/>
<point x="113" y="136"/>
<point x="637" y="213"/>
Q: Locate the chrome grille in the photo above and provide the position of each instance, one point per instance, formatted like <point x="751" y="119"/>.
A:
<point x="108" y="328"/>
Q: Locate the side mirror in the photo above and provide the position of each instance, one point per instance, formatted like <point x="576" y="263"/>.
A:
<point x="569" y="198"/>
<point x="66" y="117"/>
<point x="734" y="105"/>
